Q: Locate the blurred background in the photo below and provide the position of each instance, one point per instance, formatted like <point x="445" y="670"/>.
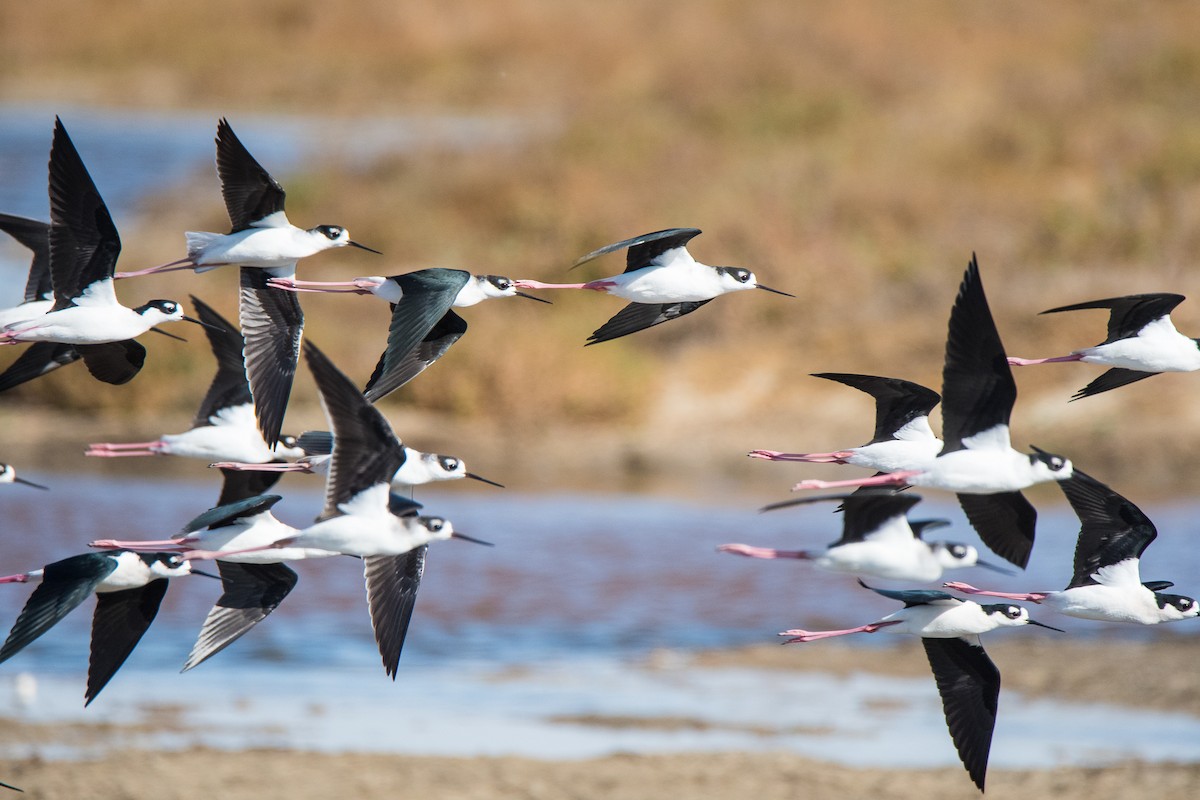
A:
<point x="852" y="154"/>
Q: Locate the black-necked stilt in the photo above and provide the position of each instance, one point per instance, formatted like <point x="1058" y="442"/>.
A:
<point x="967" y="680"/>
<point x="1107" y="583"/>
<point x="877" y="541"/>
<point x="661" y="279"/>
<point x="903" y="439"/>
<point x="977" y="461"/>
<point x="423" y="325"/>
<point x="8" y="474"/>
<point x="418" y="468"/>
<point x="129" y="588"/>
<point x="261" y="235"/>
<point x="86" y="314"/>
<point x="224" y="427"/>
<point x="39" y="294"/>
<point x="1141" y="342"/>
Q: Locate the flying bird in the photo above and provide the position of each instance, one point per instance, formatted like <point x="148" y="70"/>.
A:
<point x="977" y="461"/>
<point x="661" y="279"/>
<point x="967" y="680"/>
<point x="8" y="474"/>
<point x="1142" y="341"/>
<point x="1106" y="584"/>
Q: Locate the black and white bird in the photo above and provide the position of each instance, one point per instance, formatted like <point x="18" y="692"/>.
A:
<point x="39" y="293"/>
<point x="129" y="588"/>
<point x="878" y="541"/>
<point x="224" y="428"/>
<point x="903" y="439"/>
<point x="8" y="474"/>
<point x="1106" y="584"/>
<point x="424" y="324"/>
<point x="661" y="279"/>
<point x="967" y="680"/>
<point x="1142" y="341"/>
<point x="84" y="246"/>
<point x="264" y="244"/>
<point x="977" y="461"/>
<point x="418" y="468"/>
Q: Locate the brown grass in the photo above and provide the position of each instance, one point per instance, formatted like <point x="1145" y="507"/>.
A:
<point x="855" y="154"/>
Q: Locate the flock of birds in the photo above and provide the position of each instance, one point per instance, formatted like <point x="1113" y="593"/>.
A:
<point x="70" y="313"/>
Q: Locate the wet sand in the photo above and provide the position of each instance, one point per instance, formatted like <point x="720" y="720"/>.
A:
<point x="1158" y="673"/>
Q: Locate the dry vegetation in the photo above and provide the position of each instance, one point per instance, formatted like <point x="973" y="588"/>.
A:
<point x="853" y="153"/>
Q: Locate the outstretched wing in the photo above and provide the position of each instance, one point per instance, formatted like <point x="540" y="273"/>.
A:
<point x="969" y="684"/>
<point x="250" y="593"/>
<point x="639" y="316"/>
<point x="120" y="621"/>
<point x="1129" y="314"/>
<point x="392" y="583"/>
<point x="251" y="194"/>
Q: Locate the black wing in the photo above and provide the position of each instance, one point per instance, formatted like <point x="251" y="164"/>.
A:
<point x="913" y="597"/>
<point x="229" y="386"/>
<point x="1112" y="529"/>
<point x="315" y="443"/>
<point x="250" y="593"/>
<point x="37" y="360"/>
<point x="867" y="512"/>
<point x="978" y="390"/>
<point x="84" y="244"/>
<point x="644" y="249"/>
<point x="241" y="484"/>
<point x="969" y="684"/>
<point x="403" y="359"/>
<point x="1129" y="314"/>
<point x="1112" y="379"/>
<point x="250" y="192"/>
<point x="65" y="584"/>
<point x="227" y="513"/>
<point x="272" y="324"/>
<point x="897" y="402"/>
<point x="1005" y="521"/>
<point x="639" y="316"/>
<point x="366" y="452"/>
<point x="35" y="235"/>
<point x="113" y="362"/>
<point x="120" y="620"/>
<point x="392" y="583"/>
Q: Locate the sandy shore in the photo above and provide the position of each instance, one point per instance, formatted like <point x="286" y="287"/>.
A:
<point x="1158" y="673"/>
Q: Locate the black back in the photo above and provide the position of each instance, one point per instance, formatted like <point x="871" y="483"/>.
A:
<point x="241" y="484"/>
<point x="392" y="584"/>
<point x="969" y="685"/>
<point x="912" y="597"/>
<point x="227" y="513"/>
<point x="249" y="190"/>
<point x="978" y="390"/>
<point x="897" y="402"/>
<point x="35" y="235"/>
<point x="644" y="249"/>
<point x="84" y="244"/>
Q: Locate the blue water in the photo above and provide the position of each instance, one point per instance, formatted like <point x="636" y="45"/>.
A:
<point x="588" y="605"/>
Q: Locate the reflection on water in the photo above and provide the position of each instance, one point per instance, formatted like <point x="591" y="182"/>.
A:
<point x="551" y="622"/>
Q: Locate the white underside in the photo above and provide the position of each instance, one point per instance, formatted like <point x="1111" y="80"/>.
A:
<point x="1158" y="347"/>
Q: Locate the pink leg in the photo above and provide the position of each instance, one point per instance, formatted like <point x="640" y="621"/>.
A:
<point x="891" y="479"/>
<point x="356" y="286"/>
<point x="122" y="453"/>
<point x="761" y="552"/>
<point x="172" y="266"/>
<point x="798" y="635"/>
<point x="210" y="555"/>
<point x="125" y="445"/>
<point x="836" y="457"/>
<point x="524" y="284"/>
<point x="1013" y="361"/>
<point x="966" y="588"/>
<point x="21" y="578"/>
<point x="241" y="466"/>
<point x="149" y="546"/>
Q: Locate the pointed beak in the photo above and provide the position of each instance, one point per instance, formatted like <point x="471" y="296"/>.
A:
<point x="353" y="243"/>
<point x="204" y="324"/>
<point x="773" y="291"/>
<point x="35" y="485"/>
<point x="205" y="574"/>
<point x="481" y="479"/>
<point x="531" y="297"/>
<point x="465" y="538"/>
<point x="169" y="335"/>
<point x="1044" y="625"/>
<point x="994" y="568"/>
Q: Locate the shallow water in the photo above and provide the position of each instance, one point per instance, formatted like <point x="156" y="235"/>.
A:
<point x="588" y="605"/>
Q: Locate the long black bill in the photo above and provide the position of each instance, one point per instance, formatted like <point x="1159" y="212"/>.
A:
<point x="205" y="574"/>
<point x="1044" y="625"/>
<point x="994" y="568"/>
<point x="465" y="538"/>
<point x="531" y="297"/>
<point x="47" y="488"/>
<point x="481" y="479"/>
<point x="773" y="291"/>
<point x="353" y="243"/>
<point x="169" y="335"/>
<point x="216" y="328"/>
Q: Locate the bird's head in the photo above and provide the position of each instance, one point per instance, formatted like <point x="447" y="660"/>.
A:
<point x="1050" y="466"/>
<point x="735" y="279"/>
<point x="1007" y="615"/>
<point x="329" y="236"/>
<point x="1175" y="606"/>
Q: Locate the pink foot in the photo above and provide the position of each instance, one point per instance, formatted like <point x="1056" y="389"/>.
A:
<point x="761" y="552"/>
<point x="149" y="546"/>
<point x="21" y="578"/>
<point x="173" y="266"/>
<point x="966" y="588"/>
<point x="528" y="284"/>
<point x="1014" y="361"/>
<point x="241" y="466"/>
<point x="836" y="457"/>
<point x="799" y="635"/>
